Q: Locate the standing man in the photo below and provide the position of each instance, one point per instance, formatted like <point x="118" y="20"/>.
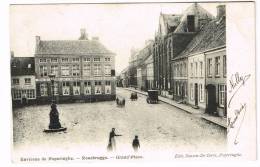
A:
<point x="136" y="144"/>
<point x="112" y="141"/>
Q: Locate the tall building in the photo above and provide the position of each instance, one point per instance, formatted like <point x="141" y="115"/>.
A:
<point x="23" y="86"/>
<point x="205" y="60"/>
<point x="84" y="70"/>
<point x="174" y="34"/>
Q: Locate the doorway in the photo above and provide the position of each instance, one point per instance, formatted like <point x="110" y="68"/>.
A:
<point x="211" y="100"/>
<point x="196" y="94"/>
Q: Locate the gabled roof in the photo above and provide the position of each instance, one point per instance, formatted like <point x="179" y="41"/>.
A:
<point x="22" y="66"/>
<point x="194" y="9"/>
<point x="171" y="20"/>
<point x="76" y="47"/>
<point x="211" y="36"/>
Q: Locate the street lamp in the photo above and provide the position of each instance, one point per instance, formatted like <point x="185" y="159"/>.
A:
<point x="54" y="125"/>
<point x="52" y="76"/>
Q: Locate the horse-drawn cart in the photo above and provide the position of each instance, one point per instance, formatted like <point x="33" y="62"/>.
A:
<point x="133" y="96"/>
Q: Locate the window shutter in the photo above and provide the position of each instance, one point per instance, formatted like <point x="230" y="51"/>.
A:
<point x="218" y="95"/>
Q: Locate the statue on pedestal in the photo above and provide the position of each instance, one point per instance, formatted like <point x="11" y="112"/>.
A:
<point x="54" y="118"/>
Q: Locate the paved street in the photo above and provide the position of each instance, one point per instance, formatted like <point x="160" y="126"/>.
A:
<point x="159" y="127"/>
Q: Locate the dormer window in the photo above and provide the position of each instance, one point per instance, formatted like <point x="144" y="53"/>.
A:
<point x="191" y="23"/>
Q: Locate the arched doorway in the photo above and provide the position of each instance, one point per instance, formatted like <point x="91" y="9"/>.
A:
<point x="211" y="100"/>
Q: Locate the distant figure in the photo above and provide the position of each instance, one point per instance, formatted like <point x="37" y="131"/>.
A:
<point x="54" y="118"/>
<point x="112" y="142"/>
<point x="117" y="100"/>
<point x="136" y="144"/>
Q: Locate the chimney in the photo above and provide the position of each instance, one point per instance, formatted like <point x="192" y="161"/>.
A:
<point x="221" y="11"/>
<point x="12" y="54"/>
<point x="83" y="35"/>
<point x="38" y="40"/>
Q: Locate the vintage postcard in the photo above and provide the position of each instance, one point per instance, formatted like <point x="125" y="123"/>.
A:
<point x="138" y="82"/>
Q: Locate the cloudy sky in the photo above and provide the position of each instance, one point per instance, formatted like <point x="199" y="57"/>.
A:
<point x="119" y="26"/>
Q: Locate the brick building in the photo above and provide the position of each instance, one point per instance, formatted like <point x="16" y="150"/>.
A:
<point x="174" y="34"/>
<point x="84" y="70"/>
<point x="23" y="86"/>
<point x="205" y="58"/>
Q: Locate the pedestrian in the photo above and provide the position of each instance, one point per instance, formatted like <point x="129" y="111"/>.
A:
<point x="136" y="144"/>
<point x="112" y="142"/>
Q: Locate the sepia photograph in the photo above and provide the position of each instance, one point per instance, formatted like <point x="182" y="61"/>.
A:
<point x="124" y="81"/>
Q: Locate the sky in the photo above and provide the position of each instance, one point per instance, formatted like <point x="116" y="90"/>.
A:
<point x="118" y="26"/>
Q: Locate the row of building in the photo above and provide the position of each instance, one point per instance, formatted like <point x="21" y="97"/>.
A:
<point x="186" y="61"/>
<point x="83" y="70"/>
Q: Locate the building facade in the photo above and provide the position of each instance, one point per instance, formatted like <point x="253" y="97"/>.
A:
<point x="84" y="70"/>
<point x="174" y="34"/>
<point x="137" y="65"/>
<point x="23" y="87"/>
<point x="216" y="89"/>
<point x="180" y="79"/>
<point x="206" y="65"/>
<point x="196" y="80"/>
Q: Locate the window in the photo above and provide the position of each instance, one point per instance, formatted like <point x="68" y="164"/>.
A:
<point x="191" y="68"/>
<point x="27" y="81"/>
<point x="217" y="66"/>
<point x="75" y="59"/>
<point x="178" y="89"/>
<point x="76" y="88"/>
<point x="65" y="70"/>
<point x="97" y="87"/>
<point x="96" y="59"/>
<point x="86" y="70"/>
<point x="107" y="59"/>
<point x="222" y="95"/>
<point x="191" y="92"/>
<point x="201" y="69"/>
<point x="17" y="94"/>
<point x="108" y="87"/>
<point x="54" y="60"/>
<point x="97" y="69"/>
<point x="43" y="89"/>
<point x="184" y="69"/>
<point x="54" y="70"/>
<point x="210" y="67"/>
<point x="43" y="71"/>
<point x="201" y="91"/>
<point x="190" y="23"/>
<point x="29" y="66"/>
<point x="196" y="69"/>
<point x="108" y="70"/>
<point x="181" y="72"/>
<point x="185" y="90"/>
<point x="65" y="88"/>
<point x="64" y="60"/>
<point x="16" y="81"/>
<point x="224" y="66"/>
<point x="87" y="87"/>
<point x="175" y="88"/>
<point x="56" y="88"/>
<point x="43" y="60"/>
<point x="30" y="94"/>
<point x="75" y="70"/>
<point x="87" y="59"/>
